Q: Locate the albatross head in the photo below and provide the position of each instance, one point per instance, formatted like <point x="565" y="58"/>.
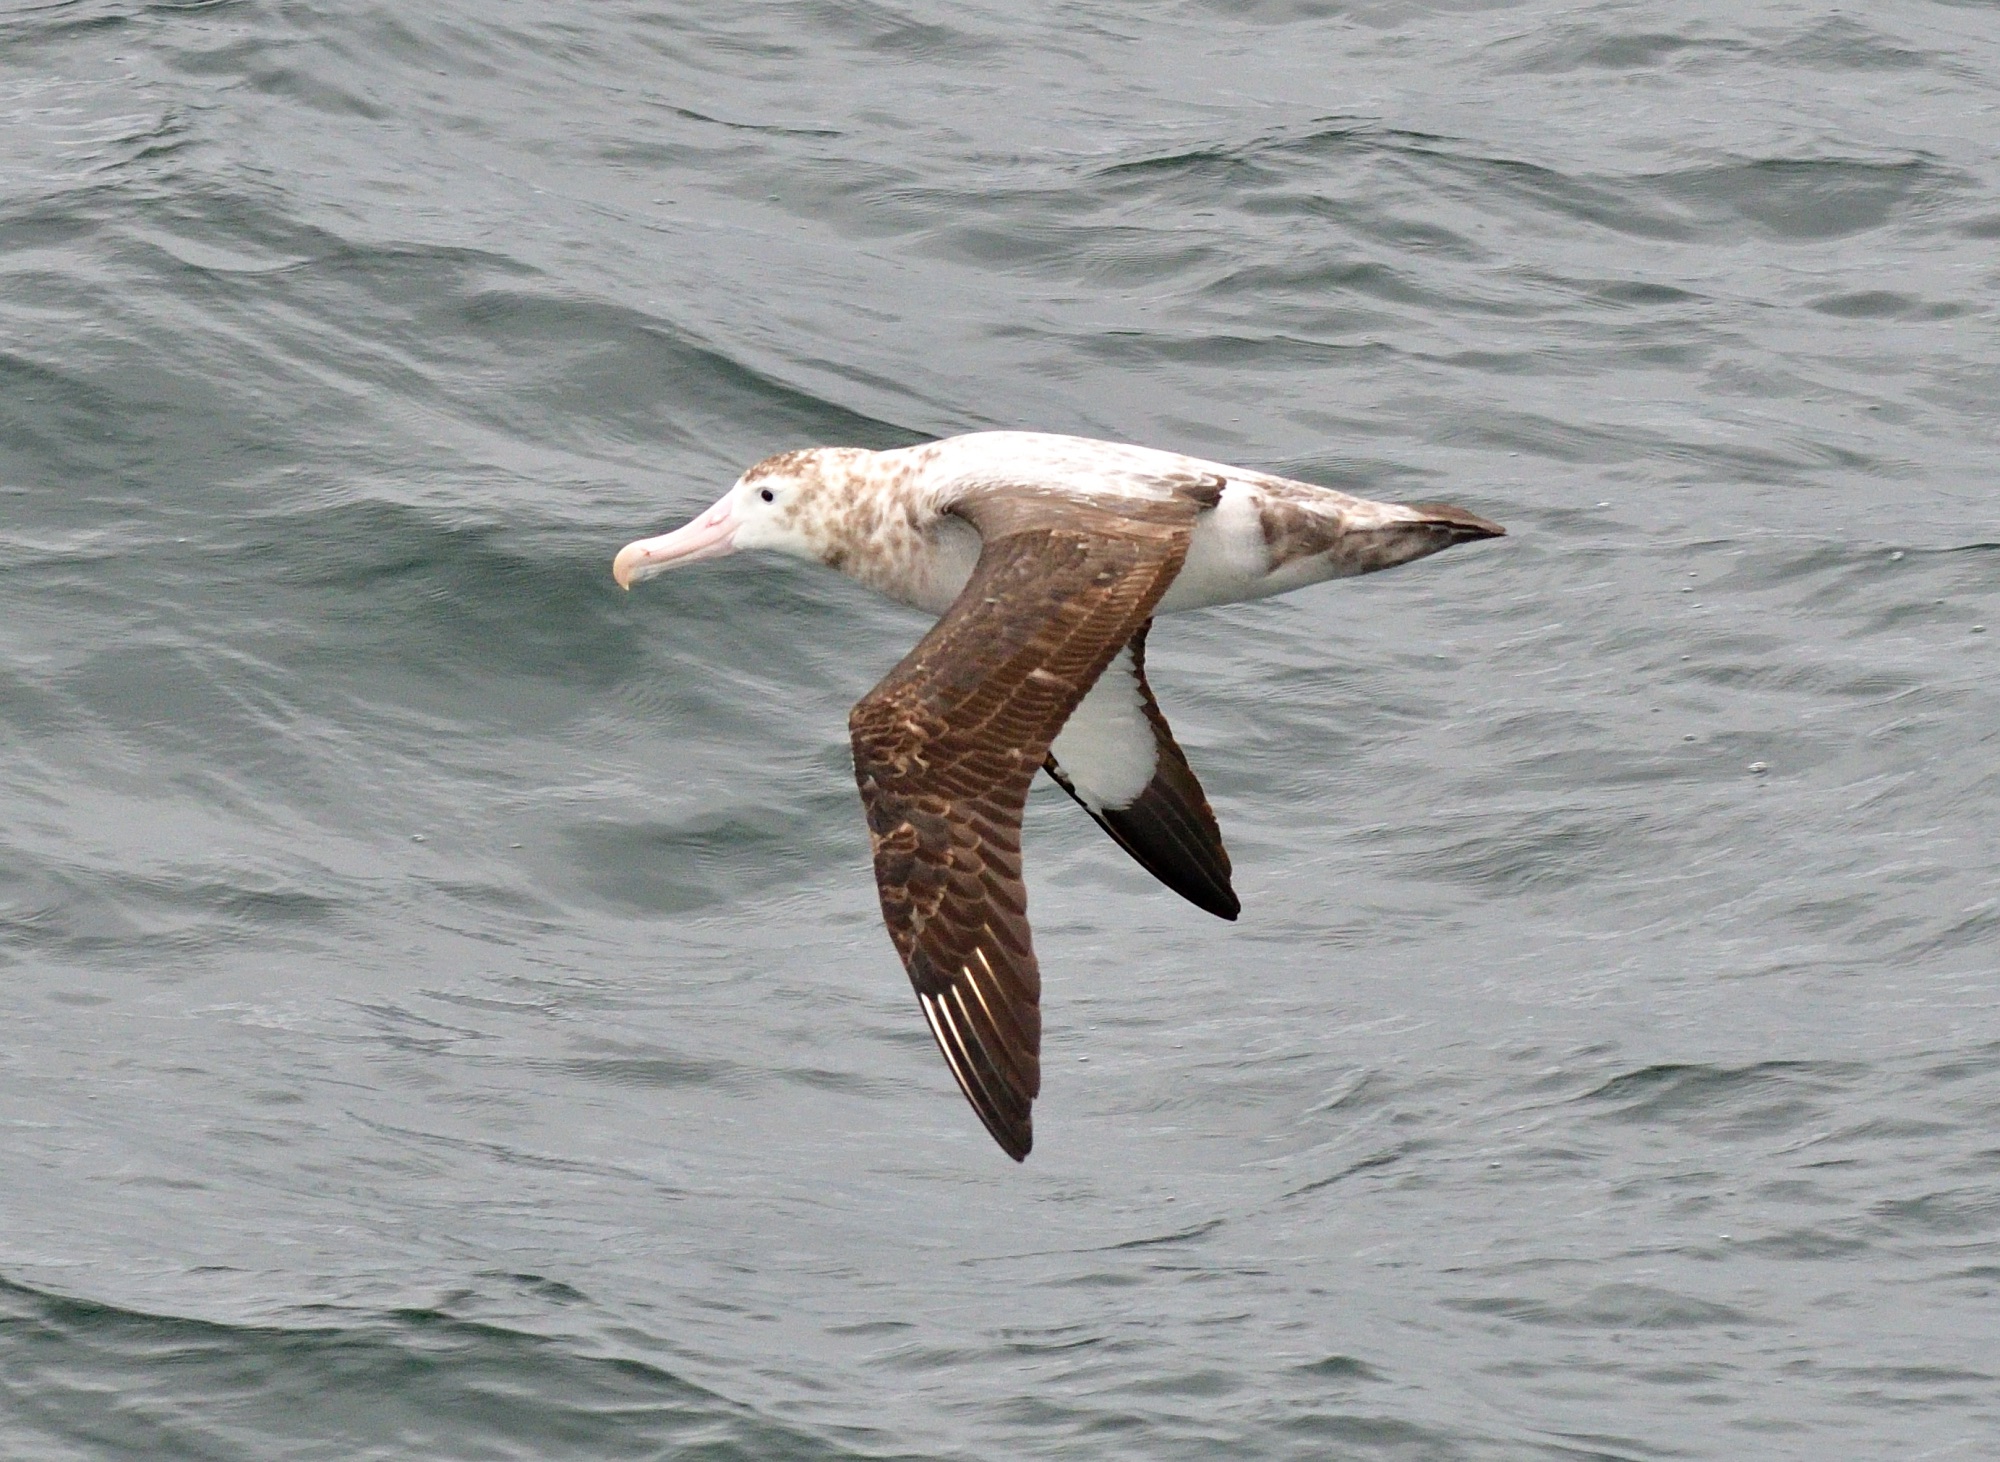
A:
<point x="789" y="503"/>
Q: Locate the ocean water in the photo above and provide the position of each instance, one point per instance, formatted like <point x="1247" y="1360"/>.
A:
<point x="446" y="1010"/>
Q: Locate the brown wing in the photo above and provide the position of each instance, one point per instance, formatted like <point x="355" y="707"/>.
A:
<point x="1169" y="827"/>
<point x="946" y="746"/>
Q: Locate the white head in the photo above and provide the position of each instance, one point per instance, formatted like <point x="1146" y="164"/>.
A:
<point x="786" y="503"/>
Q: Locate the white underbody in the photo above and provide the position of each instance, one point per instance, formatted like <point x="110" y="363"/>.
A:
<point x="1227" y="559"/>
<point x="902" y="523"/>
<point x="1106" y="749"/>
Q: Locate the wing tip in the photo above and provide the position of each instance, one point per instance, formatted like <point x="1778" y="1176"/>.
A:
<point x="1204" y="885"/>
<point x="1015" y="1138"/>
<point x="1019" y="1147"/>
<point x="1178" y="843"/>
<point x="1015" y="1134"/>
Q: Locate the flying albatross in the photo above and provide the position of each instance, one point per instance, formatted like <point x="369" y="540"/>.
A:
<point x="1045" y="558"/>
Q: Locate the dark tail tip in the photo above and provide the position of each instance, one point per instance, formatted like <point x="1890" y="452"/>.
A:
<point x="1462" y="526"/>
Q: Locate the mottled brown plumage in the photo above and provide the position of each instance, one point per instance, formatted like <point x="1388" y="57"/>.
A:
<point x="945" y="749"/>
<point x="1046" y="558"/>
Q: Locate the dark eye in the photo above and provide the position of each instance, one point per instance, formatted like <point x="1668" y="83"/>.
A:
<point x="767" y="495"/>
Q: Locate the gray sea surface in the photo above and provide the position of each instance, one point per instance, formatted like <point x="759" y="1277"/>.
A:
<point x="447" y="1013"/>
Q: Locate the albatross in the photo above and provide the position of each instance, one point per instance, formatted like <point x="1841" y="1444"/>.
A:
<point x="1045" y="559"/>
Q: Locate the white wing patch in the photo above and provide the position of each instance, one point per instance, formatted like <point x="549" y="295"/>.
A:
<point x="1106" y="747"/>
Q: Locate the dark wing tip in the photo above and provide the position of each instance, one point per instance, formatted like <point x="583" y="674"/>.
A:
<point x="998" y="1080"/>
<point x="1013" y="1130"/>
<point x="1169" y="828"/>
<point x="1010" y="1126"/>
<point x="1167" y="841"/>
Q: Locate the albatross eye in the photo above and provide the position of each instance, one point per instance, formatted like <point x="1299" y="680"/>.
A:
<point x="767" y="495"/>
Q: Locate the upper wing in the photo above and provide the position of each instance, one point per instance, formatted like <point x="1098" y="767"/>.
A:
<point x="1118" y="758"/>
<point x="946" y="746"/>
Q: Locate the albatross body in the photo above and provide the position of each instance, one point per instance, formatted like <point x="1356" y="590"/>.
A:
<point x="1045" y="558"/>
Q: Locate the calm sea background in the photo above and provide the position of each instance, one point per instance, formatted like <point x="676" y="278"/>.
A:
<point x="446" y="1010"/>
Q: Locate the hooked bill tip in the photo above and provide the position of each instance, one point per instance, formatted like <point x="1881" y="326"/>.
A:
<point x="709" y="536"/>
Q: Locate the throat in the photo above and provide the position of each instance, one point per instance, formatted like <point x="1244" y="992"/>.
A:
<point x="923" y="567"/>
